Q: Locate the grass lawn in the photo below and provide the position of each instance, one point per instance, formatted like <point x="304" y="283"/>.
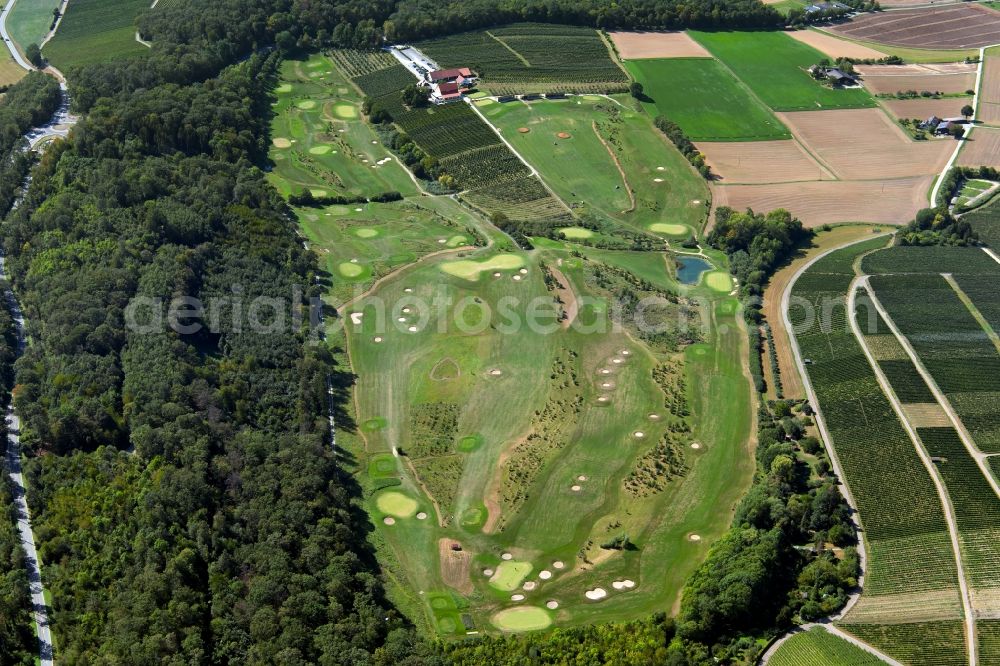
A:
<point x="582" y="169"/>
<point x="29" y="21"/>
<point x="705" y="99"/>
<point x="321" y="142"/>
<point x="774" y="66"/>
<point x="95" y="31"/>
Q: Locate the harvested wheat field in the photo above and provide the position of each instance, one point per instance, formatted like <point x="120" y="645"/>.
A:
<point x="834" y="47"/>
<point x="638" y="45"/>
<point x="959" y="26"/>
<point x="752" y="162"/>
<point x="955" y="78"/>
<point x="828" y="202"/>
<point x="865" y="144"/>
<point x="980" y="148"/>
<point x="946" y="107"/>
<point x="989" y="96"/>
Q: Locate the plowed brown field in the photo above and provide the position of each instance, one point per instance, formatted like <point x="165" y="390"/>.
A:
<point x="959" y="26"/>
<point x="989" y="96"/>
<point x="946" y="107"/>
<point x="865" y="144"/>
<point x="762" y="162"/>
<point x="638" y="45"/>
<point x="833" y="46"/>
<point x="937" y="78"/>
<point x="827" y="202"/>
<point x="981" y="148"/>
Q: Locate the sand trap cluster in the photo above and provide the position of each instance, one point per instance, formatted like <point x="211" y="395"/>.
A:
<point x="545" y="574"/>
<point x="626" y="584"/>
<point x="421" y="516"/>
<point x="596" y="594"/>
<point x="552" y="604"/>
<point x="558" y="564"/>
<point x="506" y="556"/>
<point x="389" y="520"/>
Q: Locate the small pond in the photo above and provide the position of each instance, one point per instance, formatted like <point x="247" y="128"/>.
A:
<point x="691" y="268"/>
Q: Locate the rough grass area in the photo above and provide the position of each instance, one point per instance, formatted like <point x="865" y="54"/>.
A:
<point x="95" y="31"/>
<point x="705" y="99"/>
<point x="774" y="66"/>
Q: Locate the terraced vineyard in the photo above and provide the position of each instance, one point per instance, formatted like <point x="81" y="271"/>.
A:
<point x="532" y="58"/>
<point x="911" y="584"/>
<point x="818" y="646"/>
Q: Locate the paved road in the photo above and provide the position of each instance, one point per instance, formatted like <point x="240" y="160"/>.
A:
<point x="13" y="459"/>
<point x="14" y="51"/>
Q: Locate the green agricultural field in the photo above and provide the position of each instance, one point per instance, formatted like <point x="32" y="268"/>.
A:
<point x="985" y="222"/>
<point x="659" y="187"/>
<point x="818" y="646"/>
<point x="705" y="99"/>
<point x="774" y="66"/>
<point x="320" y="142"/>
<point x="29" y="21"/>
<point x="532" y="58"/>
<point x="95" y="31"/>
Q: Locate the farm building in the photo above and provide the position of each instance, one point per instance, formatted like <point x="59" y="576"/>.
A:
<point x="447" y="84"/>
<point x="826" y="7"/>
<point x="833" y="75"/>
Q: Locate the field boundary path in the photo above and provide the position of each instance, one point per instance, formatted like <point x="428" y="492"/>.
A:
<point x="25" y="533"/>
<point x="829" y="628"/>
<point x="942" y="491"/>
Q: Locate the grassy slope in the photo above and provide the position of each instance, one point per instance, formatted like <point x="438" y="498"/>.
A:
<point x="29" y="21"/>
<point x="94" y="31"/>
<point x="581" y="170"/>
<point x="774" y="66"/>
<point x="705" y="99"/>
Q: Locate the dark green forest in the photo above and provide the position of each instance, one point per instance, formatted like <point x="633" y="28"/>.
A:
<point x="187" y="503"/>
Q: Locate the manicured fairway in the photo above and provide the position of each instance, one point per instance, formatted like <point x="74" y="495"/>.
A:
<point x="472" y="270"/>
<point x="522" y="618"/>
<point x="705" y="99"/>
<point x="774" y="66"/>
<point x="95" y="31"/>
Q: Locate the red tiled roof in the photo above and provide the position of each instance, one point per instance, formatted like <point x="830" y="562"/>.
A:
<point x="447" y="74"/>
<point x="448" y="88"/>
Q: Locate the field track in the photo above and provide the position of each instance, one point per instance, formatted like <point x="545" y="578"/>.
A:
<point x="865" y="144"/>
<point x="981" y="148"/>
<point x="637" y="45"/>
<point x="826" y="202"/>
<point x="756" y="162"/>
<point x="954" y="27"/>
<point x="945" y="107"/>
<point x="832" y="47"/>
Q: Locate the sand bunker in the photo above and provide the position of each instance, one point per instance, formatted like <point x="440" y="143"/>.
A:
<point x="378" y="339"/>
<point x="694" y="537"/>
<point x="517" y="597"/>
<point x="605" y="371"/>
<point x="695" y="445"/>
<point x="603" y="398"/>
<point x="575" y="488"/>
<point x="545" y="574"/>
<point x="523" y="130"/>
<point x="389" y="520"/>
<point x="408" y="290"/>
<point x="582" y="477"/>
<point x="517" y="278"/>
<point x="654" y="417"/>
<point x="529" y="586"/>
<point x="506" y="556"/>
<point x="412" y="329"/>
<point x="626" y="584"/>
<point x="523" y="271"/>
<point x="564" y="135"/>
<point x="552" y="604"/>
<point x="356" y="317"/>
<point x="496" y="372"/>
<point x="487" y="572"/>
<point x="638" y="434"/>
<point x="421" y="516"/>
<point x="558" y="564"/>
<point x="281" y="142"/>
<point x="657" y="180"/>
<point x="624" y="352"/>
<point x="596" y="594"/>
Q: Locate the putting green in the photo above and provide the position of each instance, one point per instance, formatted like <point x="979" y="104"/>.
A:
<point x="456" y="241"/>
<point x="397" y="504"/>
<point x="317" y="192"/>
<point x="306" y="104"/>
<point x="668" y="229"/>
<point x="366" y="232"/>
<point x="382" y="465"/>
<point x="374" y="425"/>
<point x="347" y="269"/>
<point x="320" y="150"/>
<point x="522" y="618"/>
<point x="469" y="269"/>
<point x="510" y="574"/>
<point x="345" y="111"/>
<point x="281" y="142"/>
<point x="576" y="233"/>
<point x="337" y="210"/>
<point x="284" y="88"/>
<point x="470" y="443"/>
<point x="719" y="281"/>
